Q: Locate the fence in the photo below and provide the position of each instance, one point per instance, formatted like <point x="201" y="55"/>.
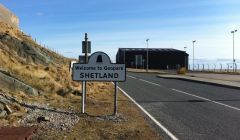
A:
<point x="229" y="67"/>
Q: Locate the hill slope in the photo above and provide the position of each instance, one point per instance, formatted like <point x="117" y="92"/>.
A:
<point x="23" y="59"/>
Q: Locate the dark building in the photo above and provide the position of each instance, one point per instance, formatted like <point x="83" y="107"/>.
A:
<point x="158" y="58"/>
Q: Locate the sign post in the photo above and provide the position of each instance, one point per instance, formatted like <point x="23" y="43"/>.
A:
<point x="83" y="96"/>
<point x="115" y="98"/>
<point x="86" y="47"/>
<point x="99" y="68"/>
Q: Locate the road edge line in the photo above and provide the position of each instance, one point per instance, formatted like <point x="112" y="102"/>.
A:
<point x="150" y="116"/>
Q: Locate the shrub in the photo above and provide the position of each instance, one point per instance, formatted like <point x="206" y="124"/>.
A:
<point x="182" y="70"/>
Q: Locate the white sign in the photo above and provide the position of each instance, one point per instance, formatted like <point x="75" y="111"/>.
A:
<point x="99" y="68"/>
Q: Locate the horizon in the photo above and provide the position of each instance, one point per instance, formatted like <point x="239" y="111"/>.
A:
<point x="127" y="24"/>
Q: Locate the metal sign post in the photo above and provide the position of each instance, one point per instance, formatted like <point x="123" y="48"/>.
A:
<point x="86" y="61"/>
<point x="83" y="96"/>
<point x="115" y="98"/>
<point x="86" y="46"/>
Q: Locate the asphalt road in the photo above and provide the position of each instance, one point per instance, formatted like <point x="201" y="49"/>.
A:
<point x="188" y="110"/>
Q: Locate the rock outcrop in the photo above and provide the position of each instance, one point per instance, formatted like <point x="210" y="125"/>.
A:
<point x="27" y="66"/>
<point x="13" y="84"/>
<point x="8" y="17"/>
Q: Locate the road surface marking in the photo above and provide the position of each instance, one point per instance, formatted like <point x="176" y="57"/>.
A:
<point x="145" y="81"/>
<point x="207" y="99"/>
<point x="150" y="116"/>
<point x="131" y="77"/>
<point x="150" y="82"/>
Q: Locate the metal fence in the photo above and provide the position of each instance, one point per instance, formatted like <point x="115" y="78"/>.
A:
<point x="229" y="67"/>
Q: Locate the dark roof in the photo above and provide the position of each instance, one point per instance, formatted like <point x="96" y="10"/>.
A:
<point x="150" y="49"/>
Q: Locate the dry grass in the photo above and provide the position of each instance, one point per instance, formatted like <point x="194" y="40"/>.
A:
<point x="99" y="103"/>
<point x="49" y="79"/>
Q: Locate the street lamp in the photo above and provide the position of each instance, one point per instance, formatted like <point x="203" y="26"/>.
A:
<point x="185" y="49"/>
<point x="193" y="52"/>
<point x="185" y="60"/>
<point x="147" y="53"/>
<point x="124" y="57"/>
<point x="234" y="31"/>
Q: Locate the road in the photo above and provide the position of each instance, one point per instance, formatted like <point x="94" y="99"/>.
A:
<point x="188" y="110"/>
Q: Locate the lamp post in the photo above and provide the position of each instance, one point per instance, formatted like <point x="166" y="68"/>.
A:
<point x="185" y="60"/>
<point x="124" y="58"/>
<point x="147" y="54"/>
<point x="185" y="49"/>
<point x="234" y="31"/>
<point x="193" y="52"/>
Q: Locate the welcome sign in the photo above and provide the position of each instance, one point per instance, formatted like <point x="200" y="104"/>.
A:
<point x="99" y="68"/>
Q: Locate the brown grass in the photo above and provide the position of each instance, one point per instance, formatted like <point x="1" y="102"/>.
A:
<point x="100" y="103"/>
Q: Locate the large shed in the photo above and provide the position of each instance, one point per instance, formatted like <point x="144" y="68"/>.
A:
<point x="158" y="58"/>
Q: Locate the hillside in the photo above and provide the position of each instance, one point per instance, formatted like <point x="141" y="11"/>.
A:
<point x="30" y="63"/>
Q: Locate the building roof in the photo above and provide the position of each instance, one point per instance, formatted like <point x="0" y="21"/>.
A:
<point x="150" y="49"/>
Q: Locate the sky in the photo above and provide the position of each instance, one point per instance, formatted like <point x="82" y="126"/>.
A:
<point x="113" y="24"/>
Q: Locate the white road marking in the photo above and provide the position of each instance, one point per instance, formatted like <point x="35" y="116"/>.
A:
<point x="145" y="81"/>
<point x="150" y="82"/>
<point x="131" y="77"/>
<point x="235" y="108"/>
<point x="150" y="116"/>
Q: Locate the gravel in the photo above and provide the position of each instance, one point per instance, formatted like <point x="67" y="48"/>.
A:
<point x="50" y="118"/>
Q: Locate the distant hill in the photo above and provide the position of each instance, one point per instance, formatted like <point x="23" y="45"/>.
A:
<point x="8" y="17"/>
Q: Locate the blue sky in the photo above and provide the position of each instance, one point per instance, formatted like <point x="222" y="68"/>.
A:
<point x="127" y="23"/>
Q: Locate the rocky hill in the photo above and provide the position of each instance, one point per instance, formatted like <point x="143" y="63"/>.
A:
<point x="28" y="72"/>
<point x="8" y="17"/>
<point x="27" y="62"/>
